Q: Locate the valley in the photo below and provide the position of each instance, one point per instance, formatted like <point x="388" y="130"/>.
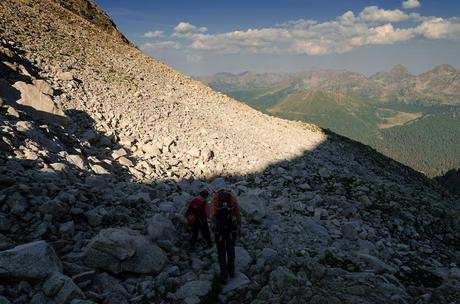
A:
<point x="397" y="113"/>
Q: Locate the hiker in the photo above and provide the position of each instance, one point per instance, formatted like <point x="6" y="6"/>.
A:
<point x="225" y="214"/>
<point x="197" y="218"/>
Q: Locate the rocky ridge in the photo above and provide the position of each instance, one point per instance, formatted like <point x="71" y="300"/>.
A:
<point x="102" y="147"/>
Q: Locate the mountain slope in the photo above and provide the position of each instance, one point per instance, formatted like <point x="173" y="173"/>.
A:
<point x="101" y="148"/>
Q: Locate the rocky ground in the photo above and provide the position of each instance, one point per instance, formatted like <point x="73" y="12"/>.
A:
<point x="101" y="148"/>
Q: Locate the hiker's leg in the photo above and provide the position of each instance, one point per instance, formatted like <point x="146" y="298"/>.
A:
<point x="206" y="234"/>
<point x="221" y="255"/>
<point x="231" y="242"/>
<point x="195" y="229"/>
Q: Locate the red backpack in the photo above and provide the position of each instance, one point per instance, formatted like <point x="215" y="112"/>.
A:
<point x="195" y="209"/>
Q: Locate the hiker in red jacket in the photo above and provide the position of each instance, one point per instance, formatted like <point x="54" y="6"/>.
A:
<point x="225" y="213"/>
<point x="197" y="218"/>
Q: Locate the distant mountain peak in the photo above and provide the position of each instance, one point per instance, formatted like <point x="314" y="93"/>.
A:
<point x="444" y="68"/>
<point x="399" y="69"/>
<point x="397" y="73"/>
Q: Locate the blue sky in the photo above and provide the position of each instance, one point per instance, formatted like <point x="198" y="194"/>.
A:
<point x="204" y="37"/>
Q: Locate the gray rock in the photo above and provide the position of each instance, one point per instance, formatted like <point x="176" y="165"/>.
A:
<point x="67" y="230"/>
<point x="242" y="260"/>
<point x="119" y="153"/>
<point x="315" y="230"/>
<point x="125" y="161"/>
<point x="194" y="152"/>
<point x="32" y="261"/>
<point x="5" y="223"/>
<point x="378" y="265"/>
<point x="167" y="207"/>
<point x="282" y="278"/>
<point x="124" y="250"/>
<point x="192" y="300"/>
<point x="253" y="207"/>
<point x="62" y="288"/>
<point x="76" y="160"/>
<point x="36" y="103"/>
<point x="98" y="169"/>
<point x="193" y="288"/>
<point x="65" y="76"/>
<point x="161" y="228"/>
<point x="151" y="149"/>
<point x="218" y="183"/>
<point x="240" y="281"/>
<point x="349" y="231"/>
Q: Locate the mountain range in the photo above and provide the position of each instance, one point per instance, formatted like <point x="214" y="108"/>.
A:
<point x="411" y="118"/>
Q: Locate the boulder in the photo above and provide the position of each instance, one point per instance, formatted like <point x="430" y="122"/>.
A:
<point x="65" y="76"/>
<point x="36" y="103"/>
<point x="378" y="265"/>
<point x="240" y="281"/>
<point x="253" y="207"/>
<point x="62" y="288"/>
<point x="243" y="259"/>
<point x="315" y="230"/>
<point x="151" y="149"/>
<point x="349" y="231"/>
<point x="218" y="183"/>
<point x="193" y="288"/>
<point x="32" y="261"/>
<point x="119" y="153"/>
<point x="76" y="160"/>
<point x="281" y="279"/>
<point x="124" y="250"/>
<point x="161" y="228"/>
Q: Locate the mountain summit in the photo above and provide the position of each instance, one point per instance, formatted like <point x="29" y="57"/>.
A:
<point x="102" y="148"/>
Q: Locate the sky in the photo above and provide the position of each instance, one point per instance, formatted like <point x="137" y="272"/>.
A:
<point x="204" y="37"/>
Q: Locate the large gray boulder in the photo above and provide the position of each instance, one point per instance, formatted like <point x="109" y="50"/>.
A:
<point x="32" y="261"/>
<point x="160" y="227"/>
<point x="253" y="207"/>
<point x="30" y="98"/>
<point x="124" y="250"/>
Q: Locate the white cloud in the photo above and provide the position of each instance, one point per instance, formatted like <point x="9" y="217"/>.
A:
<point x="409" y="4"/>
<point x="193" y="58"/>
<point x="154" y="34"/>
<point x="375" y="14"/>
<point x="439" y="28"/>
<point x="185" y="28"/>
<point x="372" y="26"/>
<point x="161" y="45"/>
<point x="385" y="34"/>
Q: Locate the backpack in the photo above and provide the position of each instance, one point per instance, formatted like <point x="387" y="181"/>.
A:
<point x="191" y="218"/>
<point x="224" y="219"/>
<point x="193" y="212"/>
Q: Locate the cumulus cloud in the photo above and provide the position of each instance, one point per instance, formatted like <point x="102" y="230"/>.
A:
<point x="161" y="45"/>
<point x="154" y="34"/>
<point x="375" y="14"/>
<point x="185" y="28"/>
<point x="439" y="28"/>
<point x="409" y="4"/>
<point x="371" y="26"/>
